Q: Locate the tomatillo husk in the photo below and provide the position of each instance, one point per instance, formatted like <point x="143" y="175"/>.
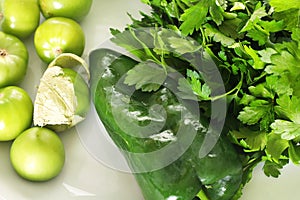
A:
<point x="62" y="100"/>
<point x="70" y="60"/>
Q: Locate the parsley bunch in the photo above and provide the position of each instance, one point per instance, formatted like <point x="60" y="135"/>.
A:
<point x="256" y="46"/>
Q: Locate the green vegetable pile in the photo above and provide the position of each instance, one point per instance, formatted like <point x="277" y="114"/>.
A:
<point x="62" y="98"/>
<point x="255" y="45"/>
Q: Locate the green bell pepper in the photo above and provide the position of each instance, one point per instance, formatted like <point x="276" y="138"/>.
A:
<point x="160" y="136"/>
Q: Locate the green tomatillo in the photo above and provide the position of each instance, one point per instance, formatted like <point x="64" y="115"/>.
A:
<point x="19" y="17"/>
<point x="16" y="110"/>
<point x="75" y="9"/>
<point x="37" y="154"/>
<point x="58" y="35"/>
<point x="13" y="60"/>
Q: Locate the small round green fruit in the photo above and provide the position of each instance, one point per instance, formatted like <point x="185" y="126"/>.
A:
<point x="37" y="154"/>
<point x="75" y="9"/>
<point x="58" y="35"/>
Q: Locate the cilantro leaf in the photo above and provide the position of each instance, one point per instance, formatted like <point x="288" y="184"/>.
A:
<point x="182" y="45"/>
<point x="185" y="90"/>
<point x="272" y="26"/>
<point x="147" y="76"/>
<point x="257" y="35"/>
<point x="192" y="88"/>
<point x="272" y="169"/>
<point x="265" y="54"/>
<point x="276" y="146"/>
<point x="216" y="13"/>
<point x="280" y="85"/>
<point x="257" y="63"/>
<point x="258" y="29"/>
<point x="294" y="153"/>
<point x="251" y="140"/>
<point x="194" y="17"/>
<point x="287" y="129"/>
<point x="258" y="112"/>
<point x="261" y="91"/>
<point x="290" y="17"/>
<point x="289" y="108"/>
<point x="238" y="6"/>
<point x="230" y="28"/>
<point x="272" y="86"/>
<point x="128" y="40"/>
<point x="218" y="36"/>
<point x="283" y="62"/>
<point x="255" y="17"/>
<point x="280" y="5"/>
<point x="296" y="34"/>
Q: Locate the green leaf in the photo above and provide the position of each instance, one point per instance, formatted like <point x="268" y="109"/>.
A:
<point x="127" y="40"/>
<point x="230" y="28"/>
<point x="258" y="35"/>
<point x="289" y="108"/>
<point x="160" y="46"/>
<point x="259" y="29"/>
<point x="283" y="62"/>
<point x="258" y="110"/>
<point x="265" y="54"/>
<point x="251" y="140"/>
<point x="222" y="3"/>
<point x="272" y="26"/>
<point x="261" y="90"/>
<point x="238" y="6"/>
<point x="280" y="85"/>
<point x="276" y="146"/>
<point x="289" y="60"/>
<point x="280" y="5"/>
<point x="147" y="76"/>
<point x="183" y="45"/>
<point x="222" y="55"/>
<point x="291" y="46"/>
<point x="216" y="13"/>
<point x="185" y="90"/>
<point x="296" y="33"/>
<point x="290" y="18"/>
<point x="259" y="13"/>
<point x="287" y="129"/>
<point x="246" y="99"/>
<point x="194" y="17"/>
<point x="258" y="64"/>
<point x="294" y="153"/>
<point x="171" y="8"/>
<point x="192" y="88"/>
<point x="205" y="91"/>
<point x="272" y="169"/>
<point x="218" y="36"/>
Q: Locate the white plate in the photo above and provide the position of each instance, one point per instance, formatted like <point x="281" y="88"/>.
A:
<point x="85" y="176"/>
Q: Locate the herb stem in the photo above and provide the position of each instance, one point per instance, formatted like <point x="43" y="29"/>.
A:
<point x="236" y="88"/>
<point x="147" y="50"/>
<point x="202" y="195"/>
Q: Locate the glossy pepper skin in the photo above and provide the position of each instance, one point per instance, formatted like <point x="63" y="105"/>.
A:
<point x="218" y="175"/>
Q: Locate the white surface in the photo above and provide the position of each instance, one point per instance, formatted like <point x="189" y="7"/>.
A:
<point x="85" y="177"/>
